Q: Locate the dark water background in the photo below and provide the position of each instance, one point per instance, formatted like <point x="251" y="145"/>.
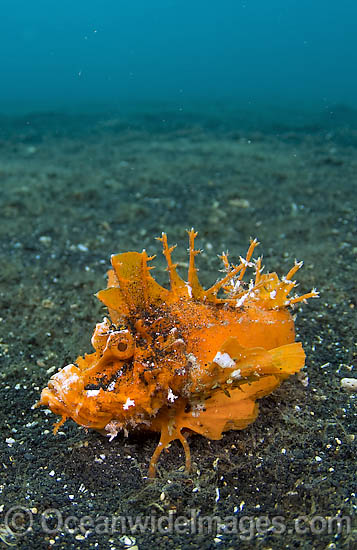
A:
<point x="255" y="53"/>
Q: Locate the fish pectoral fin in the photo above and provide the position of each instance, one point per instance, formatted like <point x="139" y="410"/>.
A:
<point x="283" y="360"/>
<point x="224" y="412"/>
<point x="59" y="423"/>
<point x="165" y="439"/>
<point x="288" y="359"/>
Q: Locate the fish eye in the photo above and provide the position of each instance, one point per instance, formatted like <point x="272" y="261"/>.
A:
<point x="121" y="344"/>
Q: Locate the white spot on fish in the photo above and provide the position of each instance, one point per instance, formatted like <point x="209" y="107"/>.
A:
<point x="92" y="393"/>
<point x="189" y="289"/>
<point x="128" y="403"/>
<point x="224" y="360"/>
<point x="236" y="374"/>
<point x="170" y="396"/>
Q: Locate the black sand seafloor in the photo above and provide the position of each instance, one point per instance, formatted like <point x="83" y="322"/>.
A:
<point x="74" y="190"/>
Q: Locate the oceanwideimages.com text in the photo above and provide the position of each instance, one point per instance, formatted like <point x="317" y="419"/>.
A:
<point x="19" y="520"/>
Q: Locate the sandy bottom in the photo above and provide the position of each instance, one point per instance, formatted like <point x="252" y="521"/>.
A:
<point x="74" y="191"/>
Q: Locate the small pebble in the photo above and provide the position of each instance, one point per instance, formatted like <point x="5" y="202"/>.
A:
<point x="349" y="384"/>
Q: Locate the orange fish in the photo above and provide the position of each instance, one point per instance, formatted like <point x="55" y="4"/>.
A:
<point x="184" y="358"/>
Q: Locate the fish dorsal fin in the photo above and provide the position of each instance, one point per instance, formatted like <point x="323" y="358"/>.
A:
<point x="178" y="286"/>
<point x="193" y="283"/>
<point x="113" y="298"/>
<point x="136" y="284"/>
<point x="115" y="301"/>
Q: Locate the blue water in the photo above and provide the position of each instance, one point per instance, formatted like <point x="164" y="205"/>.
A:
<point x="86" y="54"/>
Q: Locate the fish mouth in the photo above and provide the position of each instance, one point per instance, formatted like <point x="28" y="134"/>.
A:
<point x="65" y="395"/>
<point x="61" y="390"/>
<point x="51" y="400"/>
